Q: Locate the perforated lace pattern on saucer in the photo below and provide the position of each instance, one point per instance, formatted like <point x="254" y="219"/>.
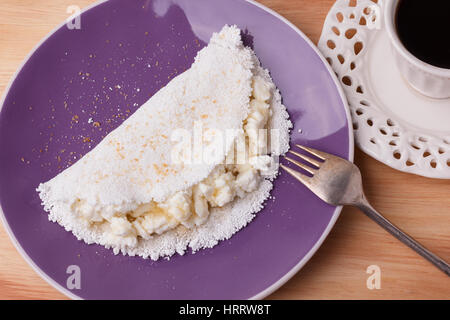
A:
<point x="346" y="35"/>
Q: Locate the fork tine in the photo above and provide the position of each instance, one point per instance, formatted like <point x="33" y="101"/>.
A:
<point x="317" y="153"/>
<point x="301" y="165"/>
<point x="297" y="175"/>
<point x="306" y="158"/>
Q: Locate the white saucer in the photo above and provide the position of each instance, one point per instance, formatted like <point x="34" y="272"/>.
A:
<point x="393" y="123"/>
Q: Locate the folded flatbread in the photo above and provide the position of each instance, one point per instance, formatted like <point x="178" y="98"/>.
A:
<point x="132" y="166"/>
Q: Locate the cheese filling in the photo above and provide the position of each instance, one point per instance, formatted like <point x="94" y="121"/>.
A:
<point x="191" y="207"/>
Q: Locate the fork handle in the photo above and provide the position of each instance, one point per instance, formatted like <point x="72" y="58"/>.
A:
<point x="403" y="237"/>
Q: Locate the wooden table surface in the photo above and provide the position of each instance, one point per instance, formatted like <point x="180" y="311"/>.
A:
<point x="420" y="206"/>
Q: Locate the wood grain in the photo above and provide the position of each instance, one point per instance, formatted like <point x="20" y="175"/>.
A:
<point x="419" y="205"/>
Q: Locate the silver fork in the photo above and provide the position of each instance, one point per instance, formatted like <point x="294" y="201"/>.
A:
<point x="338" y="182"/>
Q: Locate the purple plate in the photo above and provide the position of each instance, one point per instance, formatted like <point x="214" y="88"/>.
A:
<point x="78" y="85"/>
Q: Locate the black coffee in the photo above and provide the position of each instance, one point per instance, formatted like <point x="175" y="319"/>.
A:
<point x="424" y="29"/>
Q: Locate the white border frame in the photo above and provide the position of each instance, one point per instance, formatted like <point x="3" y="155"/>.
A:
<point x="269" y="290"/>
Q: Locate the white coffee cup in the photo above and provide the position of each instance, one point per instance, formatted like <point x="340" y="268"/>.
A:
<point x="429" y="80"/>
